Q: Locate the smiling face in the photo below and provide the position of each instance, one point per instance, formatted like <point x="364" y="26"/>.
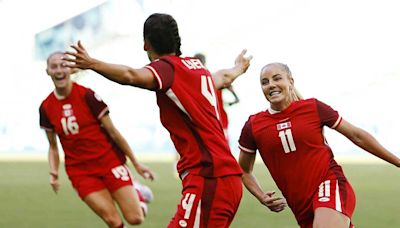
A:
<point x="59" y="72"/>
<point x="277" y="85"/>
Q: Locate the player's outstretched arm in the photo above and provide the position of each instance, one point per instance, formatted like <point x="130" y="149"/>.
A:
<point x="54" y="160"/>
<point x="113" y="132"/>
<point x="246" y="162"/>
<point x="121" y="74"/>
<point x="224" y="78"/>
<point x="230" y="89"/>
<point x="366" y="141"/>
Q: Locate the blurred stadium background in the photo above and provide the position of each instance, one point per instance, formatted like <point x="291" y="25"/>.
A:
<point x="345" y="53"/>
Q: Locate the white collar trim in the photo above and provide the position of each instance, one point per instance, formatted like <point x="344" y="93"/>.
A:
<point x="58" y="96"/>
<point x="272" y="111"/>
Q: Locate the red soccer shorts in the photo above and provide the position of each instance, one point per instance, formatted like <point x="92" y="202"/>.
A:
<point x="335" y="194"/>
<point x="110" y="178"/>
<point x="208" y="202"/>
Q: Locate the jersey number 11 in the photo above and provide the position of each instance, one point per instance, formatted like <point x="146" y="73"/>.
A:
<point x="287" y="140"/>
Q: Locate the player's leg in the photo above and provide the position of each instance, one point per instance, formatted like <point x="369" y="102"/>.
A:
<point x="329" y="218"/>
<point x="102" y="204"/>
<point x="93" y="192"/>
<point x="132" y="208"/>
<point x="334" y="204"/>
<point x="119" y="182"/>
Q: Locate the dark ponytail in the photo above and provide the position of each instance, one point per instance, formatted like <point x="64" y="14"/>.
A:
<point x="161" y="30"/>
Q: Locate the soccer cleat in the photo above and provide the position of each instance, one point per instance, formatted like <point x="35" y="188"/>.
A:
<point x="144" y="207"/>
<point x="144" y="191"/>
<point x="145" y="196"/>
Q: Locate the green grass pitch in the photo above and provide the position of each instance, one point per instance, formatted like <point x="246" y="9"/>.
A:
<point x="27" y="200"/>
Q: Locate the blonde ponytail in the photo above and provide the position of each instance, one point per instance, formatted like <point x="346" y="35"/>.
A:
<point x="296" y="95"/>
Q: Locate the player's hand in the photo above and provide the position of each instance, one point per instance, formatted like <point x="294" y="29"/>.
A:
<point x="145" y="172"/>
<point x="80" y="58"/>
<point x="233" y="102"/>
<point x="275" y="204"/>
<point x="243" y="62"/>
<point x="55" y="184"/>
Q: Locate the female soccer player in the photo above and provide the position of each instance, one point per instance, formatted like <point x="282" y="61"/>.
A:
<point x="220" y="101"/>
<point x="289" y="137"/>
<point x="185" y="90"/>
<point x="95" y="151"/>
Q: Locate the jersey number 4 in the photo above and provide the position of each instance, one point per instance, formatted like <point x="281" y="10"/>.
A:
<point x="208" y="91"/>
<point x="287" y="140"/>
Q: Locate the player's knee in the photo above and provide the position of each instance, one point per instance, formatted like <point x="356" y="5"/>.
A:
<point x="112" y="221"/>
<point x="329" y="224"/>
<point x="110" y="217"/>
<point x="135" y="219"/>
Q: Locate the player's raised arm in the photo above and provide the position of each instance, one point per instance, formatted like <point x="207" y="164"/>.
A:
<point x="366" y="141"/>
<point x="121" y="74"/>
<point x="223" y="78"/>
<point x="230" y="89"/>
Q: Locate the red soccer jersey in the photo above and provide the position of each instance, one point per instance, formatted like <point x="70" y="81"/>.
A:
<point x="222" y="112"/>
<point x="75" y="119"/>
<point x="292" y="146"/>
<point x="188" y="110"/>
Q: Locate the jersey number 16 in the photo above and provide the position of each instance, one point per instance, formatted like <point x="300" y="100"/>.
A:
<point x="70" y="125"/>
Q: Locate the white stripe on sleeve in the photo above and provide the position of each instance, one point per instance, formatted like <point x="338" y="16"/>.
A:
<point x="337" y="122"/>
<point x="246" y="149"/>
<point x="102" y="113"/>
<point x="156" y="75"/>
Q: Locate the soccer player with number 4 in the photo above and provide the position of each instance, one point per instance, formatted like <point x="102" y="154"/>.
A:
<point x="185" y="91"/>
<point x="289" y="137"/>
<point x="95" y="151"/>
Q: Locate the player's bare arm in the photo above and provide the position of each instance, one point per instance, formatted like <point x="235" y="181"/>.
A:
<point x="275" y="204"/>
<point x="230" y="89"/>
<point x="113" y="132"/>
<point x="224" y="78"/>
<point x="54" y="160"/>
<point x="121" y="74"/>
<point x="366" y="141"/>
<point x="246" y="161"/>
